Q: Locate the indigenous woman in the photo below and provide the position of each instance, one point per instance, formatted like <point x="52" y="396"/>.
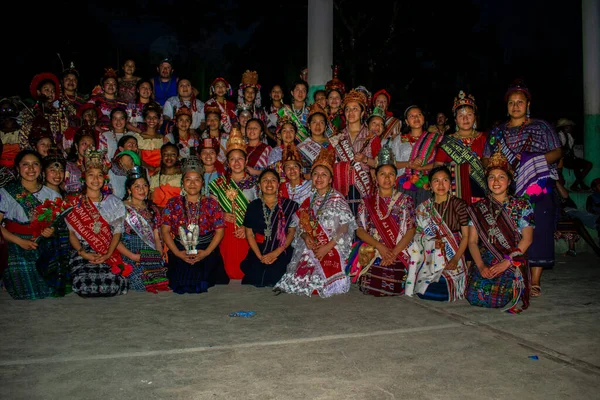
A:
<point x="219" y="89"/>
<point x="128" y="82"/>
<point x="295" y="187"/>
<point x="462" y="152"/>
<point x="141" y="245"/>
<point x="18" y="201"/>
<point x="215" y="131"/>
<point x="386" y="226"/>
<point x="109" y="140"/>
<point x="244" y="114"/>
<point x="185" y="98"/>
<point x="533" y="149"/>
<point x="437" y="268"/>
<point x="151" y="140"/>
<point x="183" y="135"/>
<point x="105" y="98"/>
<point x="96" y="225"/>
<point x="87" y="114"/>
<point x="212" y="168"/>
<point x="234" y="192"/>
<point x="357" y="150"/>
<point x="267" y="224"/>
<point x="325" y="228"/>
<point x="167" y="183"/>
<point x="192" y="229"/>
<point x="500" y="234"/>
<point x="421" y="148"/>
<point x="335" y="91"/>
<point x="392" y="125"/>
<point x="84" y="140"/>
<point x="271" y="112"/>
<point x="320" y="130"/>
<point x="258" y="151"/>
<point x="286" y="135"/>
<point x="135" y="110"/>
<point x="53" y="263"/>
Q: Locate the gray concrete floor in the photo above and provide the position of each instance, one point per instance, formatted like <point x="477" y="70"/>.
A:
<point x="168" y="346"/>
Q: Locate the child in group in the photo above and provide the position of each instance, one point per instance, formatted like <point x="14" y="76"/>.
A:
<point x="109" y="140"/>
<point x="184" y="136"/>
<point x="167" y="182"/>
<point x="151" y="140"/>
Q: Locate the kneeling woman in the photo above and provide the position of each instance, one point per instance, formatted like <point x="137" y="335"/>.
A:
<point x="269" y="234"/>
<point x="437" y="267"/>
<point x="324" y="234"/>
<point x="95" y="226"/>
<point x="192" y="229"/>
<point x="500" y="234"/>
<point x="386" y="227"/>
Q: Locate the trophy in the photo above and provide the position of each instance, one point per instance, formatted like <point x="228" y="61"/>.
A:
<point x="189" y="238"/>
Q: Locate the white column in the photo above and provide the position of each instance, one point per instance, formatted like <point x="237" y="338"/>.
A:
<point x="320" y="43"/>
<point x="591" y="83"/>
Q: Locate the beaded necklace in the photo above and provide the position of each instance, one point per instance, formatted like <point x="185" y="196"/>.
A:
<point x="393" y="199"/>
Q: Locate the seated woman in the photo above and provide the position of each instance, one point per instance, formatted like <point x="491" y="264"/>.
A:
<point x="192" y="229"/>
<point x="295" y="187"/>
<point x="500" y="233"/>
<point x="95" y="225"/>
<point x="141" y="245"/>
<point x="437" y="266"/>
<point x="325" y="230"/>
<point x="18" y="201"/>
<point x="269" y="234"/>
<point x="386" y="226"/>
<point x="167" y="183"/>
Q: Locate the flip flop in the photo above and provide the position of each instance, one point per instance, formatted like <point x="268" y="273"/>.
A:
<point x="536" y="291"/>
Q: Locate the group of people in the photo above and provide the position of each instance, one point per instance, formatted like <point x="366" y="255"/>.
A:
<point x="133" y="189"/>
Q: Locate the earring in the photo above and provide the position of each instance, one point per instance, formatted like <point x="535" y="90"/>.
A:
<point x="528" y="112"/>
<point x="456" y="128"/>
<point x="475" y="125"/>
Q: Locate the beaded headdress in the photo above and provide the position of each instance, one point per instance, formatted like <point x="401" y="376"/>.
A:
<point x="212" y="109"/>
<point x="39" y="78"/>
<point x="209" y="143"/>
<point x="249" y="79"/>
<point x="220" y="79"/>
<point x="236" y="141"/>
<point x="377" y="112"/>
<point x="136" y="172"/>
<point x="281" y="121"/>
<point x="499" y="161"/>
<point x="357" y="96"/>
<point x="463" y="100"/>
<point x="386" y="157"/>
<point x="241" y="107"/>
<point x="518" y="85"/>
<point x="95" y="159"/>
<point x="54" y="159"/>
<point x="368" y="95"/>
<point x="316" y="108"/>
<point x="326" y="158"/>
<point x="183" y="110"/>
<point x="192" y="164"/>
<point x="335" y="83"/>
<point x="291" y="154"/>
<point x="109" y="73"/>
<point x="70" y="70"/>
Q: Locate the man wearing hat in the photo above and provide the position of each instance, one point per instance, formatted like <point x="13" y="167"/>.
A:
<point x="579" y="166"/>
<point x="165" y="84"/>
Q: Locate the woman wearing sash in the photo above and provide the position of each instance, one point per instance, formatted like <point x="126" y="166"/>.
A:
<point x="167" y="183"/>
<point x="294" y="187"/>
<point x="533" y="150"/>
<point x="84" y="139"/>
<point x="214" y="131"/>
<point x="325" y="229"/>
<point x="269" y="234"/>
<point x="421" y="147"/>
<point x="234" y="192"/>
<point x="141" y="245"/>
<point x="386" y="226"/>
<point x="18" y="201"/>
<point x="219" y="89"/>
<point x="500" y="234"/>
<point x="462" y="151"/>
<point x="257" y="152"/>
<point x="335" y="91"/>
<point x="320" y="130"/>
<point x="286" y="135"/>
<point x="437" y="269"/>
<point x="192" y="230"/>
<point x="95" y="225"/>
<point x="392" y="125"/>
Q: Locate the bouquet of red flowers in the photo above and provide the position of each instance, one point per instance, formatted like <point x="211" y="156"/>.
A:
<point x="47" y="213"/>
<point x="122" y="269"/>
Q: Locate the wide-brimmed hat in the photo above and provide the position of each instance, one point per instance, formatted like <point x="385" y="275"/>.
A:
<point x="39" y="78"/>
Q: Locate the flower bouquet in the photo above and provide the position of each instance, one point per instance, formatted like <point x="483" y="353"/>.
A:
<point x="123" y="269"/>
<point x="47" y="214"/>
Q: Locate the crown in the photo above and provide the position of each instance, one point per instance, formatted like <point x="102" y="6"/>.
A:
<point x="109" y="73"/>
<point x="71" y="70"/>
<point x="209" y="143"/>
<point x="236" y="141"/>
<point x="95" y="159"/>
<point x="241" y="107"/>
<point x="212" y="109"/>
<point x="250" y="78"/>
<point x="291" y="154"/>
<point x="518" y="85"/>
<point x="183" y="110"/>
<point x="464" y="100"/>
<point x="378" y="112"/>
<point x="192" y="164"/>
<point x="285" y="119"/>
<point x="357" y="96"/>
<point x="316" y="108"/>
<point x="326" y="158"/>
<point x="386" y="157"/>
<point x="136" y="172"/>
<point x="335" y="83"/>
<point x="499" y="161"/>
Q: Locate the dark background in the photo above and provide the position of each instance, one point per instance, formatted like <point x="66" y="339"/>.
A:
<point x="421" y="52"/>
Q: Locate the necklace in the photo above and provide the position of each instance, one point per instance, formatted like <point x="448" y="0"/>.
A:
<point x="268" y="216"/>
<point x="393" y="199"/>
<point x="315" y="222"/>
<point x="191" y="224"/>
<point x="298" y="112"/>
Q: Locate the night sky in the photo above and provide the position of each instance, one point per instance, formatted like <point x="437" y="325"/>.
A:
<point x="435" y="51"/>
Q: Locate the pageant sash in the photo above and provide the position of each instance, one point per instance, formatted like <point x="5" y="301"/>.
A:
<point x="140" y="226"/>
<point x="23" y="197"/>
<point x="345" y="153"/>
<point x="81" y="219"/>
<point x="391" y="124"/>
<point x="310" y="149"/>
<point x="225" y="122"/>
<point x="460" y="154"/>
<point x="230" y="198"/>
<point x="302" y="133"/>
<point x="387" y="228"/>
<point x="424" y="148"/>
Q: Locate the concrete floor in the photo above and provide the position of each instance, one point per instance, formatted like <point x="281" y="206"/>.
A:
<point x="167" y="346"/>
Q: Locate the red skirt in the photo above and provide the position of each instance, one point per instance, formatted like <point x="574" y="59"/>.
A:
<point x="233" y="251"/>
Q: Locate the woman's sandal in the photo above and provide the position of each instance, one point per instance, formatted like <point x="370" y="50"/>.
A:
<point x="536" y="291"/>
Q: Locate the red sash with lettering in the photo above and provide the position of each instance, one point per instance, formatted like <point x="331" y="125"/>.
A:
<point x="331" y="262"/>
<point x="81" y="219"/>
<point x="387" y="228"/>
